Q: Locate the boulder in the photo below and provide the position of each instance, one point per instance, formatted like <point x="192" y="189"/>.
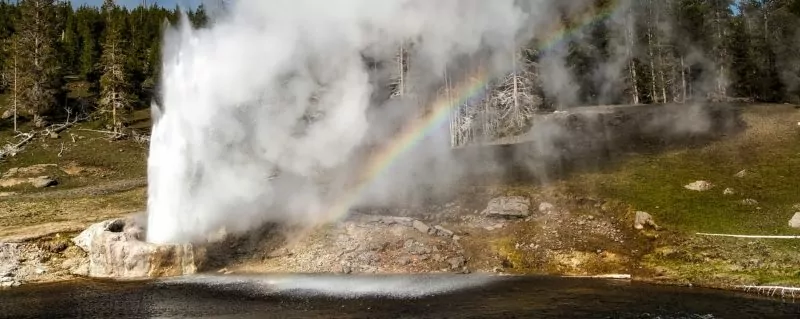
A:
<point x="457" y="262"/>
<point x="443" y="232"/>
<point x="508" y="207"/>
<point x="546" y="207"/>
<point x="749" y="202"/>
<point x="420" y="226"/>
<point x="795" y="221"/>
<point x="699" y="186"/>
<point x="115" y="250"/>
<point x="644" y="219"/>
<point x="43" y="182"/>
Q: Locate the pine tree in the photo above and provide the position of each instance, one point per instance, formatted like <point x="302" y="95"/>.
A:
<point x="115" y="95"/>
<point x="7" y="17"/>
<point x="89" y="28"/>
<point x="39" y="80"/>
<point x="69" y="42"/>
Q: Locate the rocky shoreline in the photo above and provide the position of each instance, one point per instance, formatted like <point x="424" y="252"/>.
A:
<point x="514" y="235"/>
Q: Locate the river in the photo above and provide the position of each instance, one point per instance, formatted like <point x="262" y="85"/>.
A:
<point x="318" y="296"/>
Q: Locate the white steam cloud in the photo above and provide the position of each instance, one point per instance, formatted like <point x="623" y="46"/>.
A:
<point x="267" y="115"/>
<point x="275" y="93"/>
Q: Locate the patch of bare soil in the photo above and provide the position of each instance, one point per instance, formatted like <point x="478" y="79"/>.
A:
<point x="94" y="190"/>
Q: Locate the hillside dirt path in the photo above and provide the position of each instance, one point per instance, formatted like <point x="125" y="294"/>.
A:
<point x="25" y="217"/>
<point x="93" y="190"/>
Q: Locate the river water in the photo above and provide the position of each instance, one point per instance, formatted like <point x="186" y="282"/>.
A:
<point x="301" y="296"/>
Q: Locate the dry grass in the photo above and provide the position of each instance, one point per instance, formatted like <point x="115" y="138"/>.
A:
<point x="23" y="217"/>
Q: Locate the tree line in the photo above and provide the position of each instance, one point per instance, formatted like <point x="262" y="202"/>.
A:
<point x="643" y="52"/>
<point x="632" y="52"/>
<point x="105" y="59"/>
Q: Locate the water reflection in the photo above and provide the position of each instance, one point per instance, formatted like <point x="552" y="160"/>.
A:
<point x="311" y="296"/>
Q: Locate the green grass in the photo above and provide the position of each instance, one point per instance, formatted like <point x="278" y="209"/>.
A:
<point x="113" y="160"/>
<point x="655" y="183"/>
<point x="770" y="152"/>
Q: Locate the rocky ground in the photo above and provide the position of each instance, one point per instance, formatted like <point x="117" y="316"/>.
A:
<point x="638" y="217"/>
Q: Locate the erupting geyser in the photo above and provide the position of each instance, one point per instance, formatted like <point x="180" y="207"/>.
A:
<point x="274" y="92"/>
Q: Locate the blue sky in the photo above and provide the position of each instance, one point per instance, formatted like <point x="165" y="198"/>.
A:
<point x="132" y="3"/>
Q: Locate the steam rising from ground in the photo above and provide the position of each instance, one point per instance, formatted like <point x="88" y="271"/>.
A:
<point x="275" y="93"/>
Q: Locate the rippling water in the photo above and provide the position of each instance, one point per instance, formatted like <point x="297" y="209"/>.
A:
<point x="301" y="296"/>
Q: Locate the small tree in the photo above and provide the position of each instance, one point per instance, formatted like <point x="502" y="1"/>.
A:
<point x="115" y="93"/>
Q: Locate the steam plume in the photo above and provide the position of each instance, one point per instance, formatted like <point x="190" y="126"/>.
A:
<point x="256" y="107"/>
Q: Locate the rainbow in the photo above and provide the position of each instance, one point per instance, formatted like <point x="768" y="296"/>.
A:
<point x="471" y="88"/>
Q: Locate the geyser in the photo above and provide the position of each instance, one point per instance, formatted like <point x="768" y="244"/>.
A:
<point x="275" y="94"/>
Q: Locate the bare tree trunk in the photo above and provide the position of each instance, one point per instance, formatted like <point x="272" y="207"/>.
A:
<point x="453" y="112"/>
<point x="663" y="82"/>
<point x="661" y="65"/>
<point x="15" y="85"/>
<point x="402" y="70"/>
<point x="631" y="63"/>
<point x="683" y="80"/>
<point x="653" y="92"/>
<point x="516" y="87"/>
<point x="721" y="56"/>
<point x="114" y="92"/>
<point x="486" y="115"/>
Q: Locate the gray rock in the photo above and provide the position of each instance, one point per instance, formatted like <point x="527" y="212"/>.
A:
<point x="54" y="135"/>
<point x="416" y="248"/>
<point x="114" y="251"/>
<point x="750" y="202"/>
<point x="443" y="232"/>
<point x="421" y="227"/>
<point x="508" y="207"/>
<point x="389" y="220"/>
<point x="546" y="207"/>
<point x="378" y="246"/>
<point x="7" y="114"/>
<point x="404" y="260"/>
<point x="43" y="182"/>
<point x="457" y="262"/>
<point x="741" y="173"/>
<point x="795" y="221"/>
<point x="699" y="186"/>
<point x="728" y="191"/>
<point x="346" y="269"/>
<point x="644" y="219"/>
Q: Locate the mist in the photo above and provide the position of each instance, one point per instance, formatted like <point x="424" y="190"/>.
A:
<point x="273" y="112"/>
<point x="256" y="107"/>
